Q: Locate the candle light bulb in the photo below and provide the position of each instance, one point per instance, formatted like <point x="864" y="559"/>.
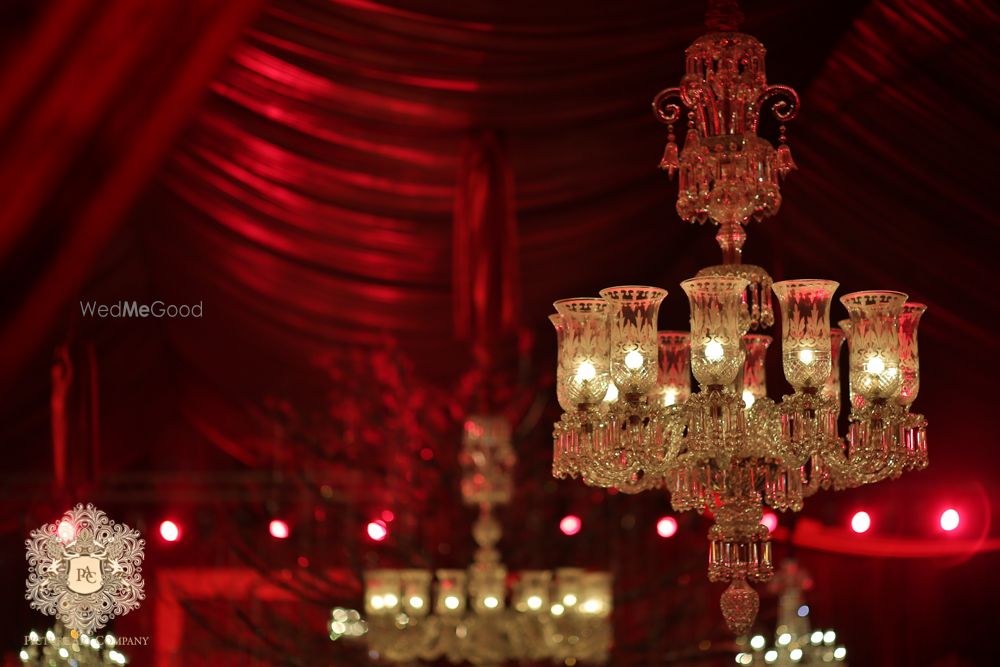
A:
<point x="669" y="396"/>
<point x="633" y="360"/>
<point x="875" y="366"/>
<point x="714" y="351"/>
<point x="586" y="372"/>
<point x="807" y="356"/>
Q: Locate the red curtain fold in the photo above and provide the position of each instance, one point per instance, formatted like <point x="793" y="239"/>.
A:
<point x="87" y="79"/>
<point x="486" y="285"/>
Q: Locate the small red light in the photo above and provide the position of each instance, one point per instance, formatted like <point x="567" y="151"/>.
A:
<point x="170" y="531"/>
<point x="950" y="519"/>
<point x="388" y="516"/>
<point x="666" y="526"/>
<point x="570" y="524"/>
<point x="770" y="519"/>
<point x="861" y="522"/>
<point x="377" y="530"/>
<point x="279" y="529"/>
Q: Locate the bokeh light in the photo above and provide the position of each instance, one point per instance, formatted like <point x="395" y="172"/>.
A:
<point x="570" y="524"/>
<point x="950" y="519"/>
<point x="170" y="531"/>
<point x="666" y="526"/>
<point x="377" y="530"/>
<point x="279" y="529"/>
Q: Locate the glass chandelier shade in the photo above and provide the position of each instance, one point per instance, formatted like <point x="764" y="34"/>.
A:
<point x="754" y="385"/>
<point x="909" y="358"/>
<point x="716" y="337"/>
<point x="561" y="394"/>
<point x="805" y="331"/>
<point x="874" y="343"/>
<point x="584" y="370"/>
<point x="674" y="377"/>
<point x="857" y="401"/>
<point x="632" y="314"/>
<point x="451" y="597"/>
<point x="831" y="389"/>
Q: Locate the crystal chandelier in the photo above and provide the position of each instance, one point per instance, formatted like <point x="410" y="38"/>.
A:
<point x="631" y="420"/>
<point x="482" y="615"/>
<point x="795" y="642"/>
<point x="71" y="649"/>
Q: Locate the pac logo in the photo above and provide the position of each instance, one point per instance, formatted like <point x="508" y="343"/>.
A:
<point x="85" y="569"/>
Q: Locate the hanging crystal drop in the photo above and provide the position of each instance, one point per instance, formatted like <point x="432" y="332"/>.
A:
<point x="670" y="162"/>
<point x="739" y="604"/>
<point x="785" y="163"/>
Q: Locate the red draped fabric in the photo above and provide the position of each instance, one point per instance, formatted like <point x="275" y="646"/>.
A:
<point x="329" y="191"/>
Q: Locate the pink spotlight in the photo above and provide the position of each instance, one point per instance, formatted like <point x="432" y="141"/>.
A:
<point x="770" y="519"/>
<point x="950" y="519"/>
<point x="170" y="531"/>
<point x="377" y="530"/>
<point x="861" y="522"/>
<point x="279" y="529"/>
<point x="666" y="526"/>
<point x="570" y="524"/>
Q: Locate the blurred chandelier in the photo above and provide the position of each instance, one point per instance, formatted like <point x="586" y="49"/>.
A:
<point x="563" y="617"/>
<point x="630" y="419"/>
<point x="57" y="648"/>
<point x="795" y="642"/>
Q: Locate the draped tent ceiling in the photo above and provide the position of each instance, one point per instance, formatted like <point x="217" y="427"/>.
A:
<point x="294" y="166"/>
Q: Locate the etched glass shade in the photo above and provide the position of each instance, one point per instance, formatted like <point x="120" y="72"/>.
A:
<point x="561" y="394"/>
<point x="856" y="399"/>
<point x="595" y="599"/>
<point x="632" y="314"/>
<point x="874" y="343"/>
<point x="805" y="331"/>
<point x="754" y="372"/>
<point x="382" y="592"/>
<point x="569" y="584"/>
<point x="487" y="460"/>
<point x="415" y="592"/>
<point x="909" y="360"/>
<point x="531" y="592"/>
<point x="675" y="367"/>
<point x="832" y="387"/>
<point x="716" y="338"/>
<point x="584" y="368"/>
<point x="487" y="588"/>
<point x="451" y="595"/>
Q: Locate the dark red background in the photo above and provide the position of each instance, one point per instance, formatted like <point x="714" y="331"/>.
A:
<point x="293" y="166"/>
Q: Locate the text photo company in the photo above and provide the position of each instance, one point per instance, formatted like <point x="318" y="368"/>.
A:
<point x="50" y="638"/>
<point x="158" y="309"/>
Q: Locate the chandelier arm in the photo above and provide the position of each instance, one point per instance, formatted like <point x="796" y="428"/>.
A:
<point x="785" y="106"/>
<point x="668" y="112"/>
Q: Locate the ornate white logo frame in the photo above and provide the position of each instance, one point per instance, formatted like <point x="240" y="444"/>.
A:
<point x="85" y="569"/>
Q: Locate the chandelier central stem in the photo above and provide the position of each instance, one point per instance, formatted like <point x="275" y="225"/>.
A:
<point x="731" y="237"/>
